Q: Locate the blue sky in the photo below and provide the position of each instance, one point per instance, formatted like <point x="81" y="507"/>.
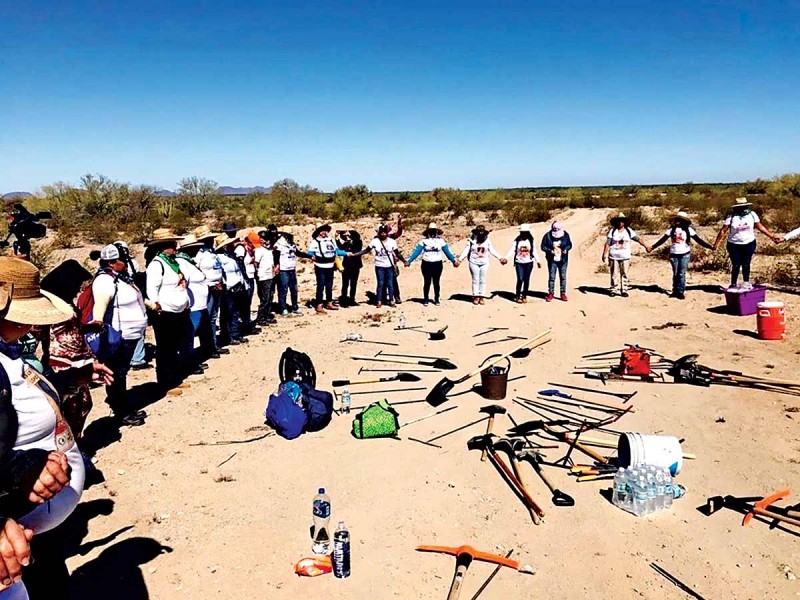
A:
<point x="399" y="95"/>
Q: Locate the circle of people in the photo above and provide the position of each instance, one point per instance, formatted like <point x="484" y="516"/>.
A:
<point x="191" y="281"/>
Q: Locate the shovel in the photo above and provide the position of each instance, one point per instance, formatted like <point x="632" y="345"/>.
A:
<point x="438" y="395"/>
<point x="434" y="336"/>
<point x="406" y="377"/>
<point x="436" y="363"/>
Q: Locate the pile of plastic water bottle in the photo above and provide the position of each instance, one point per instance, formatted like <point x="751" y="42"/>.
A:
<point x="644" y="489"/>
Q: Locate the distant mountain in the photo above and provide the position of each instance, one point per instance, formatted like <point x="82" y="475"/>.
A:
<point x="17" y="196"/>
<point x="165" y="194"/>
<point x="227" y="190"/>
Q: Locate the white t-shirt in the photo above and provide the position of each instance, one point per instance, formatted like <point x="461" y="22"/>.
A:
<point x="233" y="274"/>
<point x="325" y="248"/>
<point x="265" y="261"/>
<point x="209" y="264"/>
<point x="432" y="249"/>
<point x="288" y="255"/>
<point x="619" y="243"/>
<point x="198" y="286"/>
<point x="129" y="315"/>
<point x="679" y="243"/>
<point x="384" y="251"/>
<point x="37" y="429"/>
<point x="247" y="258"/>
<point x="166" y="287"/>
<point x="478" y="252"/>
<point x="557" y="253"/>
<point x="524" y="252"/>
<point x="743" y="227"/>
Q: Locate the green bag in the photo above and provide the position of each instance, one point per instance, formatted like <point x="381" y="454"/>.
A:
<point x="376" y="420"/>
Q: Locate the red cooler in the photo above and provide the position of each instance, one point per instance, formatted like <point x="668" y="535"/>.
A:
<point x="771" y="321"/>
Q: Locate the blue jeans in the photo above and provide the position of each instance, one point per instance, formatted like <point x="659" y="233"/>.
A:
<point x="324" y="284"/>
<point x="559" y="268"/>
<point x="287" y="282"/>
<point x="139" y="355"/>
<point x="231" y="317"/>
<point x="120" y="364"/>
<point x="201" y="328"/>
<point x="385" y="291"/>
<point x="679" y="264"/>
<point x="523" y="277"/>
<point x="213" y="311"/>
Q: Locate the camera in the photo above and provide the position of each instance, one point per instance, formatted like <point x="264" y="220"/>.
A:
<point x="24" y="226"/>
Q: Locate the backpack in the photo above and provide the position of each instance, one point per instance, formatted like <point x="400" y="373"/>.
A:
<point x="318" y="405"/>
<point x="283" y="414"/>
<point x="296" y="366"/>
<point x="85" y="301"/>
<point x="378" y="419"/>
<point x="628" y="229"/>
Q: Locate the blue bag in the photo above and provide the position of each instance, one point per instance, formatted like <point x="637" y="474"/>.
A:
<point x="283" y="414"/>
<point x="104" y="340"/>
<point x="319" y="407"/>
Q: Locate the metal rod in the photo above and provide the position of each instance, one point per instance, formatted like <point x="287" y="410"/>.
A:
<point x="414" y="389"/>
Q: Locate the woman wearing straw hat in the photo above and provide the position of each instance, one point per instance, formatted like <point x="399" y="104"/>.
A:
<point x="433" y="249"/>
<point x="617" y="250"/>
<point x="387" y="254"/>
<point x="324" y="252"/>
<point x="478" y="249"/>
<point x="42" y="432"/>
<point x="523" y="251"/>
<point x="208" y="262"/>
<point x="168" y="293"/>
<point x="740" y="226"/>
<point x="198" y="296"/>
<point x="681" y="233"/>
<point x="287" y="274"/>
<point x="234" y="300"/>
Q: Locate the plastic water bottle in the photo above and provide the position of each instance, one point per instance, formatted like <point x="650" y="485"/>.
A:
<point x="669" y="494"/>
<point x="651" y="492"/>
<point x="402" y="322"/>
<point x="341" y="552"/>
<point x="321" y="541"/>
<point x="661" y="489"/>
<point x="346" y="401"/>
<point x="639" y="507"/>
<point x="620" y="496"/>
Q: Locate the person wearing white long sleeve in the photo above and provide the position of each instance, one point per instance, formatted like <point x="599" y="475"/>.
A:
<point x="172" y="325"/>
<point x="788" y="237"/>
<point x="478" y="249"/>
<point x="198" y="296"/>
<point x="523" y="251"/>
<point x="208" y="262"/>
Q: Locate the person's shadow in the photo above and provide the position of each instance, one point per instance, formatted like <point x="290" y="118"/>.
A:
<point x="116" y="573"/>
<point x="593" y="289"/>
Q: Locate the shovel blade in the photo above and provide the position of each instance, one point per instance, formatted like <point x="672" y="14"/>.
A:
<point x="438" y="395"/>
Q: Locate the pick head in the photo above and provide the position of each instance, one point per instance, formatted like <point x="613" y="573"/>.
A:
<point x="509" y="445"/>
<point x="493" y="409"/>
<point x="480" y="442"/>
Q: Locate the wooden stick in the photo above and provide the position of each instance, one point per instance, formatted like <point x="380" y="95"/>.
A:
<point x="601" y="443"/>
<point x="509" y="353"/>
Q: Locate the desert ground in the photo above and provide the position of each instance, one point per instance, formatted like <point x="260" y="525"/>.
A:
<point x="167" y="522"/>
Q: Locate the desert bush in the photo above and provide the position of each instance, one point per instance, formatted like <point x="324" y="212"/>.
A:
<point x="196" y="195"/>
<point x="786" y="186"/>
<point x="643" y="222"/>
<point x="454" y="200"/>
<point x="709" y="261"/>
<point x="349" y="201"/>
<point x="527" y="212"/>
<point x="708" y="217"/>
<point x="43" y="255"/>
<point x="784" y="273"/>
<point x="383" y="207"/>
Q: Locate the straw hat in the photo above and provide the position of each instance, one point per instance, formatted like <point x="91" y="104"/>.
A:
<point x="203" y="232"/>
<point x="618" y="218"/>
<point x="190" y="241"/>
<point x="320" y="228"/>
<point x="741" y="203"/>
<point x="525" y="228"/>
<point x="222" y="240"/>
<point x="29" y="304"/>
<point x="682" y="215"/>
<point x="163" y="235"/>
<point x="432" y="227"/>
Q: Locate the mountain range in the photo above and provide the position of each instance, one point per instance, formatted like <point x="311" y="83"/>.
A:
<point x="224" y="190"/>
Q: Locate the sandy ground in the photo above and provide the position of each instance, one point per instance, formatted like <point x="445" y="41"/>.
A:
<point x="169" y="523"/>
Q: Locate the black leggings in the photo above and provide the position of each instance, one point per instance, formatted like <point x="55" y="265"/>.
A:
<point x="350" y="282"/>
<point x="431" y="273"/>
<point x="741" y="255"/>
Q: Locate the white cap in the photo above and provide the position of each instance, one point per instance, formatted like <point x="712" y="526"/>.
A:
<point x="122" y="243"/>
<point x="110" y="252"/>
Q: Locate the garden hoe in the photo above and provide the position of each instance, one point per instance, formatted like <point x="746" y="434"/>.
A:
<point x="464" y="557"/>
<point x="438" y="394"/>
<point x="406" y="377"/>
<point x="755" y="506"/>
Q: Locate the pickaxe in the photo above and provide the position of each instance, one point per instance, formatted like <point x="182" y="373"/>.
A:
<point x="535" y="458"/>
<point x="492" y="410"/>
<point x="512" y="446"/>
<point x="758" y="507"/>
<point x="464" y="557"/>
<point x="531" y="426"/>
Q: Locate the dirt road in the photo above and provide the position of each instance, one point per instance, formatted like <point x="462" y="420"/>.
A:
<point x="236" y="531"/>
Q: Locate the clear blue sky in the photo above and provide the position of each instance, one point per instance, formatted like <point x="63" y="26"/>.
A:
<point x="399" y="95"/>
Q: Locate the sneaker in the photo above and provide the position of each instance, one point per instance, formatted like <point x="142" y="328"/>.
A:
<point x="223" y="351"/>
<point x="285" y="313"/>
<point x="234" y="342"/>
<point x="398" y="300"/>
<point x="437" y="303"/>
<point x="132" y="420"/>
<point x="680" y="296"/>
<point x="198" y="371"/>
<point x="625" y="294"/>
<point x="352" y="302"/>
<point x="392" y="304"/>
<point x="564" y="298"/>
<point x="524" y="299"/>
<point x="612" y="293"/>
<point x="215" y="355"/>
<point x="747" y="285"/>
<point x="481" y="301"/>
<point x="141" y="366"/>
<point x="320" y="310"/>
<point x="518" y="300"/>
<point x="424" y="303"/>
<point x="475" y="300"/>
<point x="297" y="312"/>
<point x="549" y="298"/>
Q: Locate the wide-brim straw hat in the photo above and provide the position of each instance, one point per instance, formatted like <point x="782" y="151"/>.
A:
<point x="434" y="228"/>
<point x="325" y="227"/>
<point x="619" y="218"/>
<point x="525" y="228"/>
<point x="190" y="241"/>
<point x="162" y="236"/>
<point x="29" y="304"/>
<point x="203" y="232"/>
<point x="682" y="215"/>
<point x="480" y="229"/>
<point x="741" y="203"/>
<point x="222" y="240"/>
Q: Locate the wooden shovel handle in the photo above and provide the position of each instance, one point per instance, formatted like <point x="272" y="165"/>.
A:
<point x="404" y="361"/>
<point x="578" y="446"/>
<point x="594" y="441"/>
<point x="502" y="357"/>
<point x="771" y="515"/>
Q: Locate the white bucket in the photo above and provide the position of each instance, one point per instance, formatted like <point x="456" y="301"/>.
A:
<point x="658" y="450"/>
